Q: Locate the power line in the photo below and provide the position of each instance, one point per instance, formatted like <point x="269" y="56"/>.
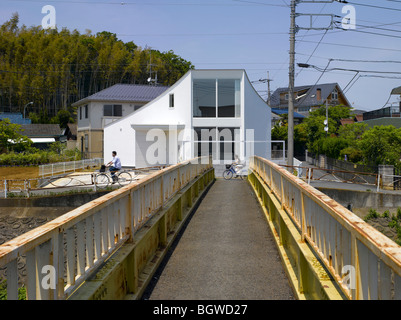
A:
<point x="351" y="46"/>
<point x="374" y="33"/>
<point x="311" y="55"/>
<point x="200" y="34"/>
<point x="373" y="6"/>
<point x="352" y="70"/>
<point x="363" y="27"/>
<point x="369" y="61"/>
<point x="122" y="3"/>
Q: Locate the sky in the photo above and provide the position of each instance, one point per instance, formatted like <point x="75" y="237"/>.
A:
<point x="252" y="35"/>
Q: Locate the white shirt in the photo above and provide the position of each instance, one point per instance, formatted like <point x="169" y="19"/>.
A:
<point x="116" y="162"/>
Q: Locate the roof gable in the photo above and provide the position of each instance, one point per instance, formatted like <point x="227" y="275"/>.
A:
<point x="310" y="97"/>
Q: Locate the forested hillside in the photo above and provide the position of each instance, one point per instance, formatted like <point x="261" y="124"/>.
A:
<point x="54" y="68"/>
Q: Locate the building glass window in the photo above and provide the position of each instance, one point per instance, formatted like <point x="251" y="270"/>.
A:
<point x="216" y="98"/>
<point x="117" y="110"/>
<point x="334" y="95"/>
<point x="86" y="111"/>
<point x="110" y="110"/>
<point x="228" y="143"/>
<point x="221" y="143"/>
<point x="205" y="141"/>
<point x="86" y="143"/>
<point x="204" y="98"/>
<point x="228" y="98"/>
<point x="171" y="100"/>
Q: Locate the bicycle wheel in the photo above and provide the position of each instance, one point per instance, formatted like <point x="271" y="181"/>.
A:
<point x="227" y="174"/>
<point x="124" y="178"/>
<point x="102" y="180"/>
<point x="244" y="175"/>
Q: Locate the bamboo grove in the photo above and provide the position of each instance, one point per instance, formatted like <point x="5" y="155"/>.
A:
<point x="55" y="68"/>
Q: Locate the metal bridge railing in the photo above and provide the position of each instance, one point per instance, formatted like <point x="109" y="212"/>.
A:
<point x="64" y="252"/>
<point x="365" y="263"/>
<point x="52" y="169"/>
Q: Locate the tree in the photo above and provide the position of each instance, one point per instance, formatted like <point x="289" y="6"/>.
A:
<point x="280" y="132"/>
<point x="55" y="68"/>
<point x="11" y="137"/>
<point x="381" y="145"/>
<point x="63" y="117"/>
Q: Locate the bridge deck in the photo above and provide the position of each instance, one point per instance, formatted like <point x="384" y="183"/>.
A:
<point x="226" y="252"/>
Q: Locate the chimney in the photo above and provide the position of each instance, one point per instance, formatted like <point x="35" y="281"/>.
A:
<point x="318" y="94"/>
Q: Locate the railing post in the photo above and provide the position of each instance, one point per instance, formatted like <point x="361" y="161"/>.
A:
<point x="12" y="280"/>
<point x="378" y="182"/>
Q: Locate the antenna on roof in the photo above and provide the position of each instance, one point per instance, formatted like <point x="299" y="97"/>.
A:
<point x="150" y="80"/>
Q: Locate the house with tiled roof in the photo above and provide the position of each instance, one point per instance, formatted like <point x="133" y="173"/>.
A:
<point x="41" y="134"/>
<point x="97" y="110"/>
<point x="310" y="97"/>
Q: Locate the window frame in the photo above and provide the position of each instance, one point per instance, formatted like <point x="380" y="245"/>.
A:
<point x="217" y="95"/>
<point x="113" y="110"/>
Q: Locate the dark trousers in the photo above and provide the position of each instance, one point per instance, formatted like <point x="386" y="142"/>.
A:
<point x="113" y="171"/>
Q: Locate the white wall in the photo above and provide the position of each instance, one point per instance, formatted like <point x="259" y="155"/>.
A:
<point x="120" y="137"/>
<point x="257" y="116"/>
<point x="127" y="136"/>
<point x="156" y="113"/>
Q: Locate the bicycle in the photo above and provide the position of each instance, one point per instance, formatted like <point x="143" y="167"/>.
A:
<point x="104" y="178"/>
<point x="230" y="172"/>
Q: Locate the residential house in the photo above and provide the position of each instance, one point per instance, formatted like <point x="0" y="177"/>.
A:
<point x="42" y="135"/>
<point x="96" y="111"/>
<point x="385" y="116"/>
<point x="310" y="97"/>
<point x="277" y="115"/>
<point x="206" y="112"/>
<point x="70" y="135"/>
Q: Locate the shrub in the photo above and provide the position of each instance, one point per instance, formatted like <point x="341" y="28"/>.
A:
<point x="372" y="215"/>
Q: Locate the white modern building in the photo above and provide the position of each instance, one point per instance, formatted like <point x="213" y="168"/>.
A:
<point x="216" y="112"/>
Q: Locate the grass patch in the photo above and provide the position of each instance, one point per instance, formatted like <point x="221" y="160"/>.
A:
<point x="3" y="291"/>
<point x="387" y="223"/>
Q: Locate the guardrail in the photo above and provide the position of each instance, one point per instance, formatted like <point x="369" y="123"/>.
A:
<point x="69" y="166"/>
<point x="318" y="174"/>
<point x="364" y="262"/>
<point x="26" y="188"/>
<point x="64" y="252"/>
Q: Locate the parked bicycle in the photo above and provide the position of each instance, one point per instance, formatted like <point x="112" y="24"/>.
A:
<point x="123" y="177"/>
<point x="234" y="170"/>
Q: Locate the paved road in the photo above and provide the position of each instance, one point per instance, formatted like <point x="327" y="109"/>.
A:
<point x="226" y="252"/>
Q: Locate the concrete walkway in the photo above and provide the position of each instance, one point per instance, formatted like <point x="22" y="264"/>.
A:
<point x="226" y="252"/>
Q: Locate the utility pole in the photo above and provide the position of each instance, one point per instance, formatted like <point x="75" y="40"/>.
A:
<point x="293" y="30"/>
<point x="268" y="89"/>
<point x="290" y="144"/>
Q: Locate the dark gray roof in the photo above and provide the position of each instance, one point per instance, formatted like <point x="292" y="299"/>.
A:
<point x="41" y="130"/>
<point x="126" y="93"/>
<point x="309" y="99"/>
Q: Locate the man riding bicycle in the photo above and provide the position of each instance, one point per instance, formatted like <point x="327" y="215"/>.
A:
<point x="115" y="165"/>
